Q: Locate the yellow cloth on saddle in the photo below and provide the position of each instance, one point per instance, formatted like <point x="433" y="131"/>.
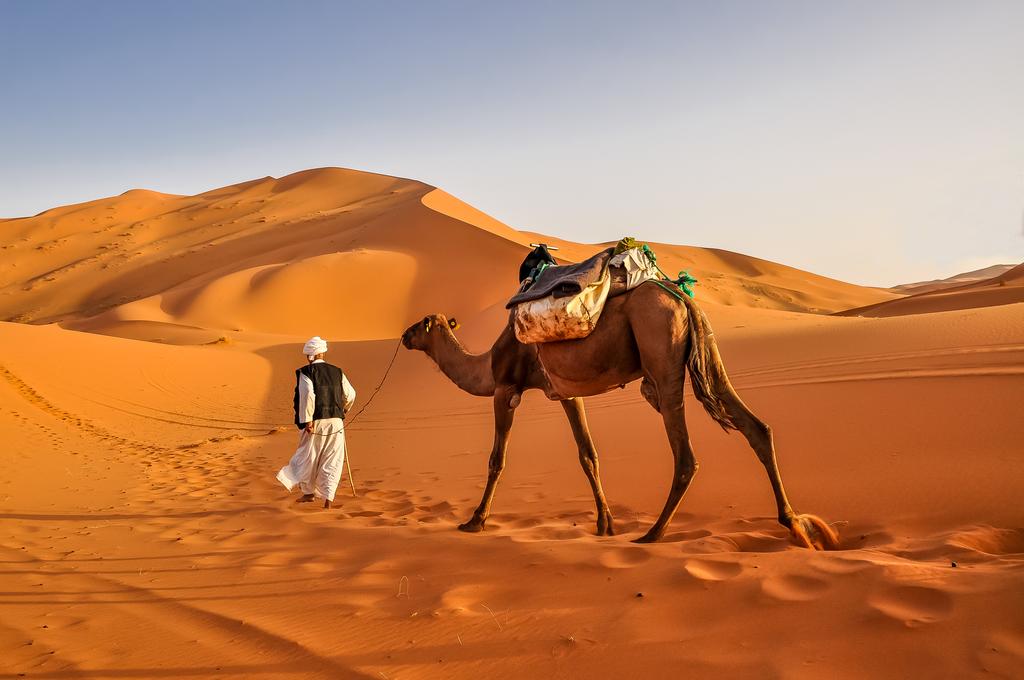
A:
<point x="551" y="319"/>
<point x="627" y="243"/>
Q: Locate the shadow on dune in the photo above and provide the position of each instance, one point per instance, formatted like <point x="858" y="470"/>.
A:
<point x="148" y="558"/>
<point x="240" y="670"/>
<point x="90" y="517"/>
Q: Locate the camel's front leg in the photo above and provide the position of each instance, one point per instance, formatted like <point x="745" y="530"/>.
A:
<point x="588" y="459"/>
<point x="503" y="413"/>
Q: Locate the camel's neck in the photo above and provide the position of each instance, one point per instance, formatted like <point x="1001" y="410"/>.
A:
<point x="471" y="372"/>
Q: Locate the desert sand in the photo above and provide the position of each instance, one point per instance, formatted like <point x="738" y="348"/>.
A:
<point x="146" y="357"/>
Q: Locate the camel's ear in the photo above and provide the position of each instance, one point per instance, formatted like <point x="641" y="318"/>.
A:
<point x="453" y="324"/>
<point x="426" y="323"/>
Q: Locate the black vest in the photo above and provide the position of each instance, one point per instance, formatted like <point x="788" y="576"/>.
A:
<point x="327" y="381"/>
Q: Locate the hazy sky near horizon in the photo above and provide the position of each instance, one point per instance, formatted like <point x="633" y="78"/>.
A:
<point x="874" y="142"/>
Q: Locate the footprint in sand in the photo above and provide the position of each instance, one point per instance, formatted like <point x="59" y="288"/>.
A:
<point x="680" y="536"/>
<point x="794" y="588"/>
<point x="624" y="558"/>
<point x="314" y="567"/>
<point x="442" y="507"/>
<point x="990" y="540"/>
<point x="400" y="510"/>
<point x="388" y="494"/>
<point x="712" y="570"/>
<point x="460" y="599"/>
<point x="760" y="541"/>
<point x="857" y="540"/>
<point x="833" y="564"/>
<point x="913" y="605"/>
<point x="524" y="523"/>
<point x="547" y="532"/>
<point x="366" y="513"/>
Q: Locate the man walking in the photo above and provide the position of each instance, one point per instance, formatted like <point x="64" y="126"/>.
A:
<point x="322" y="397"/>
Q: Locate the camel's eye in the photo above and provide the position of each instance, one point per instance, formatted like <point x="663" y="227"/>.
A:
<point x="426" y="323"/>
<point x="453" y="324"/>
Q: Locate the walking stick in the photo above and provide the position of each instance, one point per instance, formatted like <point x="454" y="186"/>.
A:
<point x="349" y="468"/>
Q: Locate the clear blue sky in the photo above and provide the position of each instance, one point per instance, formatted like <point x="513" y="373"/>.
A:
<point x="874" y="142"/>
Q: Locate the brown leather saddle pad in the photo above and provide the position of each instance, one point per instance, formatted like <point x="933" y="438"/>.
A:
<point x="564" y="280"/>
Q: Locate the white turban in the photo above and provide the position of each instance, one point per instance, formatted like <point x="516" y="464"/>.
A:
<point x="316" y="345"/>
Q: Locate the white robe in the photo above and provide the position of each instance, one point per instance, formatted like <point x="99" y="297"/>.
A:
<point x="319" y="460"/>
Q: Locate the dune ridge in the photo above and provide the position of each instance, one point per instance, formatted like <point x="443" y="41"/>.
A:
<point x="972" y="276"/>
<point x="1005" y="288"/>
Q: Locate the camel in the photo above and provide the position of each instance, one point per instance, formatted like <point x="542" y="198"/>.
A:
<point x="646" y="333"/>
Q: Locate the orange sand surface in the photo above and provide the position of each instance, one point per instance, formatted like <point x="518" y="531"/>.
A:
<point x="145" y="405"/>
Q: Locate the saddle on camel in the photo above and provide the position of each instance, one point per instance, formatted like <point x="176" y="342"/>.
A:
<point x="582" y="329"/>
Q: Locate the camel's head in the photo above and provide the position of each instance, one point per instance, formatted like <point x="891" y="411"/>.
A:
<point x="422" y="333"/>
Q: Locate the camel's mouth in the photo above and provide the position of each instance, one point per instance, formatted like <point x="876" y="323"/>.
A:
<point x="407" y="338"/>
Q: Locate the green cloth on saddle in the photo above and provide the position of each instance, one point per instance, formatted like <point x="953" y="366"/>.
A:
<point x="684" y="281"/>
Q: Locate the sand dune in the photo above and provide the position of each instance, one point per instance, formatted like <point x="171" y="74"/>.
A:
<point x="247" y="256"/>
<point x="1006" y="288"/>
<point x="973" y="276"/>
<point x="145" y="535"/>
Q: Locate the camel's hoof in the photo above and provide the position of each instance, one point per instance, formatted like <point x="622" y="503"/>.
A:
<point x="471" y="527"/>
<point x="647" y="538"/>
<point x="813" y="533"/>
<point x="605" y="528"/>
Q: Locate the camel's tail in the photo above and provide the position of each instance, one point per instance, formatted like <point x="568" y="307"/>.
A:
<point x="705" y="366"/>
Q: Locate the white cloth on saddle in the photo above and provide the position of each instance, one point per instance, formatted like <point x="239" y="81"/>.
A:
<point x="318" y="462"/>
<point x="638" y="266"/>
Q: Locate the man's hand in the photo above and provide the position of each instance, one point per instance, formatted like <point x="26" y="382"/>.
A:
<point x="309" y="426"/>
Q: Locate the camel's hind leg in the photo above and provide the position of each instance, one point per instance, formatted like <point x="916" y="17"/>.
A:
<point x="588" y="459"/>
<point x="671" y="408"/>
<point x="809" y="530"/>
<point x="503" y="414"/>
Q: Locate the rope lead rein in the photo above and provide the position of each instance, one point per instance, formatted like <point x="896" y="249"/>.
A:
<point x="372" y="395"/>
